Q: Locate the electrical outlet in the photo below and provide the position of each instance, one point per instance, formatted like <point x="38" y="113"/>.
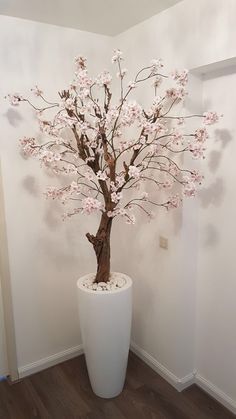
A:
<point x="163" y="242"/>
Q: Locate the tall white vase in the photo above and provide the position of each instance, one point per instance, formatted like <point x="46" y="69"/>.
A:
<point x="105" y="322"/>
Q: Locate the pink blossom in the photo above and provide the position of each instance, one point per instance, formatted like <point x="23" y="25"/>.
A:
<point x="113" y="186"/>
<point x="154" y="128"/>
<point x="142" y="139"/>
<point x="89" y="131"/>
<point x="130" y="219"/>
<point x="121" y="74"/>
<point x="155" y="149"/>
<point x="69" y="104"/>
<point x="121" y="211"/>
<point x="15" y="99"/>
<point x="45" y="126"/>
<point x="69" y="170"/>
<point x="80" y="62"/>
<point x="197" y="150"/>
<point x="117" y="56"/>
<point x="210" y="118"/>
<point x="134" y="172"/>
<point x="176" y="93"/>
<point x="116" y="197"/>
<point x="75" y="187"/>
<point x="88" y="175"/>
<point x="156" y="104"/>
<point x="91" y="205"/>
<point x="177" y="137"/>
<point x="84" y="126"/>
<point x="83" y="80"/>
<point x="173" y="202"/>
<point x="196" y="177"/>
<point x="104" y="79"/>
<point x="70" y="214"/>
<point x="132" y="84"/>
<point x="120" y="180"/>
<point x="123" y="145"/>
<point x="29" y="146"/>
<point x="181" y="77"/>
<point x="36" y="91"/>
<point x="84" y="92"/>
<point x="55" y="193"/>
<point x="48" y="156"/>
<point x="189" y="189"/>
<point x="131" y="112"/>
<point x="111" y="116"/>
<point x="201" y="135"/>
<point x="167" y="184"/>
<point x="137" y="146"/>
<point x="148" y="128"/>
<point x="156" y="64"/>
<point x="101" y="175"/>
<point x="157" y="82"/>
<point x="90" y="159"/>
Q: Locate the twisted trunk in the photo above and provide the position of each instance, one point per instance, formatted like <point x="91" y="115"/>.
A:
<point x="101" y="245"/>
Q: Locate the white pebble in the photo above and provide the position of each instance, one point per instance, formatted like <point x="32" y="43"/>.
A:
<point x="102" y="284"/>
<point x="115" y="282"/>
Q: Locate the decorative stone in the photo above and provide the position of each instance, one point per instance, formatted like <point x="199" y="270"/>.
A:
<point x="116" y="281"/>
<point x="120" y="282"/>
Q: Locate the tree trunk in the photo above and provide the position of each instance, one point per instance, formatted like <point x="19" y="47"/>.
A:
<point x="101" y="245"/>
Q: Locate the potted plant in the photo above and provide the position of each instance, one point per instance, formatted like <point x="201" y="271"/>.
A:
<point x="112" y="150"/>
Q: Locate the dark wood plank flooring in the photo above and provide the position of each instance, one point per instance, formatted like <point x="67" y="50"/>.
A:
<point x="64" y="392"/>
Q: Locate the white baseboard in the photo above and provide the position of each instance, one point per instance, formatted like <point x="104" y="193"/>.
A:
<point x="179" y="383"/>
<point x="216" y="393"/>
<point x="49" y="361"/>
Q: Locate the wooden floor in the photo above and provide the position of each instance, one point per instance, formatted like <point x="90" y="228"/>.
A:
<point x="64" y="392"/>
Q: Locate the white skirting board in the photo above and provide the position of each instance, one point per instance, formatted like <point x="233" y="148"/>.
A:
<point x="179" y="383"/>
<point x="182" y="383"/>
<point x="216" y="393"/>
<point x="49" y="361"/>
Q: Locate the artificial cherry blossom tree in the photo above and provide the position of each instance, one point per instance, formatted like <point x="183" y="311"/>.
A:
<point x="111" y="150"/>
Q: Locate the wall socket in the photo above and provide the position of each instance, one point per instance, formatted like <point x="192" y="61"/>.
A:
<point x="163" y="242"/>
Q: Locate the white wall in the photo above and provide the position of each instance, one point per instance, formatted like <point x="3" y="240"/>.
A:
<point x="3" y="357"/>
<point x="216" y="308"/>
<point x="191" y="34"/>
<point x="46" y="255"/>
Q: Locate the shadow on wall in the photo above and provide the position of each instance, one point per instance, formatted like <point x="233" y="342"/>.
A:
<point x="211" y="237"/>
<point x="14" y="118"/>
<point x="30" y="184"/>
<point x="61" y="243"/>
<point x="214" y="193"/>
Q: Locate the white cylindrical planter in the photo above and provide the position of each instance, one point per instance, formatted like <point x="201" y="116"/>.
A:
<point x="105" y="322"/>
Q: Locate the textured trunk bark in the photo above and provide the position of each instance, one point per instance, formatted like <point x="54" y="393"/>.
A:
<point x="101" y="245"/>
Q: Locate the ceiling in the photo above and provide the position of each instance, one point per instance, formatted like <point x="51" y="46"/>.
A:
<point x="108" y="17"/>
